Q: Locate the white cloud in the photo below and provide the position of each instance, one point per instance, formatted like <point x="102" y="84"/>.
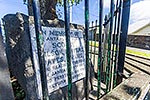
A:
<point x="107" y="3"/>
<point x="140" y="11"/>
<point x="139" y="15"/>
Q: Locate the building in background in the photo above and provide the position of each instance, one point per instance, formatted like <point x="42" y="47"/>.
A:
<point x="140" y="28"/>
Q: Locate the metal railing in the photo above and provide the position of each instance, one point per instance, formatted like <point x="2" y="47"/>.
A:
<point x="109" y="50"/>
<point x="107" y="44"/>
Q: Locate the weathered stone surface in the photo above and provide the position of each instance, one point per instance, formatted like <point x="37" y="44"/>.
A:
<point x="6" y="92"/>
<point x="18" y="52"/>
<point x="56" y="23"/>
<point x="139" y="41"/>
<point x="132" y="88"/>
<point x="20" y="58"/>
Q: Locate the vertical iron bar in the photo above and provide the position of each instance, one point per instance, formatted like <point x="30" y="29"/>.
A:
<point x="87" y="47"/>
<point x="0" y="27"/>
<point x="109" y="47"/>
<point x="95" y="43"/>
<point x="117" y="41"/>
<point x="104" y="55"/>
<point x="113" y="44"/>
<point x="100" y="47"/>
<point x="91" y="42"/>
<point x="123" y="37"/>
<point x="40" y="47"/>
<point x="68" y="45"/>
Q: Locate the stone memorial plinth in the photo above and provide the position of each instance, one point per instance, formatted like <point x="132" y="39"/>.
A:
<point x="18" y="28"/>
<point x="6" y="91"/>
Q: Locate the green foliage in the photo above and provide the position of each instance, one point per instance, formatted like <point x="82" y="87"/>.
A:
<point x="25" y="1"/>
<point x="19" y="93"/>
<point x="73" y="2"/>
<point x="61" y="2"/>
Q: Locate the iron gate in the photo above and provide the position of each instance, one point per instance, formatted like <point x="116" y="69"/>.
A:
<point x="108" y="44"/>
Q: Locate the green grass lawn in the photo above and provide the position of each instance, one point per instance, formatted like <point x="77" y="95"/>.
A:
<point x="138" y="53"/>
<point x="92" y="43"/>
<point x="134" y="52"/>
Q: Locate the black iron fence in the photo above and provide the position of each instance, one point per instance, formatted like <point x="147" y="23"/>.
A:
<point x="108" y="42"/>
<point x="104" y="46"/>
<point x="104" y="42"/>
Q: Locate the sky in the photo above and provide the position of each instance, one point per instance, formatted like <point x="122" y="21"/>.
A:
<point x="11" y="7"/>
<point x="139" y="10"/>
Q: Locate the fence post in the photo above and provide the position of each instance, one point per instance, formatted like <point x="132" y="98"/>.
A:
<point x="40" y="47"/>
<point x="68" y="45"/>
<point x="91" y="41"/>
<point x="87" y="47"/>
<point x="94" y="43"/>
<point x="100" y="48"/>
<point x="123" y="38"/>
<point x="117" y="39"/>
<point x="113" y="43"/>
<point x="108" y="68"/>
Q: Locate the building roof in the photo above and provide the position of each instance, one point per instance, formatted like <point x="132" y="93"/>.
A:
<point x="137" y="26"/>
